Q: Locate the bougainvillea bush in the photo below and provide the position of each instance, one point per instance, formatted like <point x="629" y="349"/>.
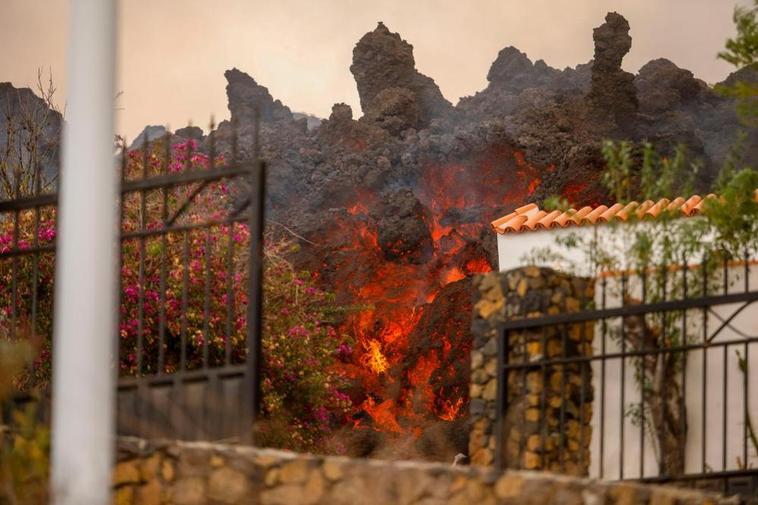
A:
<point x="183" y="300"/>
<point x="303" y="394"/>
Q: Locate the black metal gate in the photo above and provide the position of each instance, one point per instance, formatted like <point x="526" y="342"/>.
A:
<point x="190" y="288"/>
<point x="674" y="375"/>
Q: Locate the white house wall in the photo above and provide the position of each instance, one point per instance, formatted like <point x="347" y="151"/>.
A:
<point x="517" y="249"/>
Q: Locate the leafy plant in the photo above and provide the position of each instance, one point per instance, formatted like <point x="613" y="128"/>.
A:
<point x="742" y="51"/>
<point x="24" y="441"/>
<point x="304" y="392"/>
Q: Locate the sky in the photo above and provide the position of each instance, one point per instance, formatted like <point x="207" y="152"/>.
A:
<point x="173" y="53"/>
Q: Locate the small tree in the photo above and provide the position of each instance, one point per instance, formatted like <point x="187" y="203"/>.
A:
<point x="29" y="142"/>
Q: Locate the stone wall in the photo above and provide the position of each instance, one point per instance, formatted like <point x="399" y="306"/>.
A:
<point x="201" y="473"/>
<point x="547" y="406"/>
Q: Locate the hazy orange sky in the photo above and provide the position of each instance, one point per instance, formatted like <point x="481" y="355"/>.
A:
<point x="173" y="53"/>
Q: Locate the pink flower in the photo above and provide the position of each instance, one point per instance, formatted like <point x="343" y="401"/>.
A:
<point x="298" y="331"/>
<point x="5" y="242"/>
<point x="200" y="159"/>
<point x="321" y="415"/>
<point x="131" y="292"/>
<point x="344" y="351"/>
<point x="339" y="395"/>
<point x="47" y="233"/>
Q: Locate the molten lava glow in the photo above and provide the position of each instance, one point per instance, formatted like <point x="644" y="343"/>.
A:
<point x="455" y="274"/>
<point x="373" y="358"/>
<point x="477" y="266"/>
<point x="580" y="193"/>
<point x="533" y="186"/>
<point x="450" y="410"/>
<point x="356" y="209"/>
<point x="383" y="415"/>
<point x="399" y="394"/>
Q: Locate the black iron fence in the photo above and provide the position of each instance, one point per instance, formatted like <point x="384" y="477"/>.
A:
<point x="190" y="288"/>
<point x="653" y="379"/>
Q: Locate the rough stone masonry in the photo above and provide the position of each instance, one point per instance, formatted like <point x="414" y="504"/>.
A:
<point x="547" y="405"/>
<point x="202" y="473"/>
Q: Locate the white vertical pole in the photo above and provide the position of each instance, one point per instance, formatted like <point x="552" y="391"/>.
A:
<point x="83" y="377"/>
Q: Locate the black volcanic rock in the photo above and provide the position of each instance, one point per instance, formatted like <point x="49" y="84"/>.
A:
<point x="148" y="134"/>
<point x="394" y="110"/>
<point x="613" y="88"/>
<point x="677" y="108"/>
<point x="612" y="42"/>
<point x="383" y="60"/>
<point x="662" y="86"/>
<point x="312" y="122"/>
<point x="516" y="85"/>
<point x="513" y="71"/>
<point x="342" y="131"/>
<point x="190" y="132"/>
<point x="402" y="229"/>
<point x="245" y="95"/>
<point x="748" y="74"/>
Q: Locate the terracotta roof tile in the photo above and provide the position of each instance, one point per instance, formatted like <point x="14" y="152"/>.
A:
<point x="593" y="216"/>
<point x="610" y="212"/>
<point x="562" y="220"/>
<point x="656" y="208"/>
<point x="548" y="219"/>
<point x="643" y="208"/>
<point x="532" y="220"/>
<point x="689" y="206"/>
<point x="531" y="217"/>
<point x="630" y="207"/>
<point x="675" y="204"/>
<point x="578" y="216"/>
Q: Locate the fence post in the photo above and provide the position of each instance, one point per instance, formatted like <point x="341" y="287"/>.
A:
<point x="256" y="211"/>
<point x="83" y="378"/>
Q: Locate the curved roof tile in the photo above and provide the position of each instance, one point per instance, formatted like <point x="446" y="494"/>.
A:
<point x="531" y="217"/>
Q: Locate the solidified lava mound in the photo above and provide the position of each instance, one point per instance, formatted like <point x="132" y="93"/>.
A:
<point x="394" y="206"/>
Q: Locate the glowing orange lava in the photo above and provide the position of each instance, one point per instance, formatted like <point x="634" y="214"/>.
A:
<point x="392" y="296"/>
<point x="450" y="410"/>
<point x="373" y="358"/>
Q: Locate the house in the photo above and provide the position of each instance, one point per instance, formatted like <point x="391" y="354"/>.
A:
<point x="713" y="330"/>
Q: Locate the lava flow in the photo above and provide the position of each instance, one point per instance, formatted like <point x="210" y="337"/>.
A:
<point x="412" y="315"/>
